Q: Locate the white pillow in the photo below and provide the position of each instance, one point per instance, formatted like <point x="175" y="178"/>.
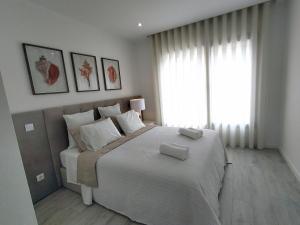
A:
<point x="130" y="122"/>
<point x="75" y="121"/>
<point x="110" y="111"/>
<point x="99" y="134"/>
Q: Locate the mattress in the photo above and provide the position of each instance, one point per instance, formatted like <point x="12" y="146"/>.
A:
<point x="68" y="160"/>
<point x="70" y="153"/>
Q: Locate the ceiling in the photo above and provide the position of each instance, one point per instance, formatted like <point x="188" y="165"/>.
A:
<point x="121" y="17"/>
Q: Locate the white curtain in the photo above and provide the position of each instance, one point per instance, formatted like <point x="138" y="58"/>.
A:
<point x="182" y="77"/>
<point x="209" y="74"/>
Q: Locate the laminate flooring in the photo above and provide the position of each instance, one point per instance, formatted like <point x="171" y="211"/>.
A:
<point x="259" y="189"/>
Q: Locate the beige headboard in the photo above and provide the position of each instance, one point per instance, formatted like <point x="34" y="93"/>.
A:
<point x="56" y="126"/>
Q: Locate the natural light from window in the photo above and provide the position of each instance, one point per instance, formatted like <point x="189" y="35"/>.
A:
<point x="183" y="89"/>
<point x="184" y="86"/>
<point x="230" y="83"/>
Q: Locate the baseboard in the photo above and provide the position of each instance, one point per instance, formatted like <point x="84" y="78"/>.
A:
<point x="291" y="166"/>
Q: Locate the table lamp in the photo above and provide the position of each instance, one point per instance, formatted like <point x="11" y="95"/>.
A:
<point x="138" y="105"/>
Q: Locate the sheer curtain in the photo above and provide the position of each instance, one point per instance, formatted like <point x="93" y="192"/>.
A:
<point x="230" y="91"/>
<point x="209" y="74"/>
<point x="182" y="77"/>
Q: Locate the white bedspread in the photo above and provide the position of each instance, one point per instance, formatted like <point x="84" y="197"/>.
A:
<point x="154" y="189"/>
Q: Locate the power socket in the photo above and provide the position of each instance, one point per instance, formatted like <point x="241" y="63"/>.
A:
<point x="40" y="177"/>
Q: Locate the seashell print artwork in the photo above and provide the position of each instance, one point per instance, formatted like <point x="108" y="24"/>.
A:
<point x="112" y="74"/>
<point x="86" y="71"/>
<point x="48" y="70"/>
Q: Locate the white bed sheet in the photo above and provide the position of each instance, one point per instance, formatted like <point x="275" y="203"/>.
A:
<point x="68" y="160"/>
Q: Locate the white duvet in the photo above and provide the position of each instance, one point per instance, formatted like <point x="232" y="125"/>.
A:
<point x="154" y="189"/>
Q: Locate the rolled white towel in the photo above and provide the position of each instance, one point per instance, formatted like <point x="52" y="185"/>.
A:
<point x="174" y="150"/>
<point x="191" y="133"/>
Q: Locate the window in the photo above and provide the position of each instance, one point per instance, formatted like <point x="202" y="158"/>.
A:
<point x="184" y="88"/>
<point x="230" y="83"/>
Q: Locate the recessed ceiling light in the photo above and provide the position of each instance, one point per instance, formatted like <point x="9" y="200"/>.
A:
<point x="140" y="24"/>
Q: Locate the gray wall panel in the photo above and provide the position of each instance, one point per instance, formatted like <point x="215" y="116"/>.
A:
<point x="36" y="155"/>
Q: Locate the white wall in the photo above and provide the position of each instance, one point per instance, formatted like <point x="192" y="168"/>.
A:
<point x="274" y="78"/>
<point x="145" y="76"/>
<point x="15" y="202"/>
<point x="21" y="21"/>
<point x="273" y="90"/>
<point x="291" y="116"/>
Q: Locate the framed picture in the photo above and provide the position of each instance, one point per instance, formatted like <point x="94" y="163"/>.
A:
<point x="46" y="69"/>
<point x="85" y="72"/>
<point x="111" y="74"/>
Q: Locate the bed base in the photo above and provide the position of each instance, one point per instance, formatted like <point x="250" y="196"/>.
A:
<point x="73" y="187"/>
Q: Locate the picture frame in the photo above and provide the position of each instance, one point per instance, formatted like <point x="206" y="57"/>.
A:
<point x="111" y="74"/>
<point x="85" y="72"/>
<point x="46" y="69"/>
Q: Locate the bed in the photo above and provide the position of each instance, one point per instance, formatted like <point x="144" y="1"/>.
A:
<point x="138" y="182"/>
<point x="154" y="189"/>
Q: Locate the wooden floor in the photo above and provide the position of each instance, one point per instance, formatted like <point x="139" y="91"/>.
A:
<point x="259" y="189"/>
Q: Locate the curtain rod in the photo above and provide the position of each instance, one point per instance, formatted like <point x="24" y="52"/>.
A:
<point x="265" y="1"/>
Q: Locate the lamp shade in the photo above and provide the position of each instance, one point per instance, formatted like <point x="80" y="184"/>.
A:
<point x="137" y="105"/>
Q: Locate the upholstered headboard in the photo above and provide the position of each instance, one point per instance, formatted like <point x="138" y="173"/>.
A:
<point x="56" y="126"/>
<point x="51" y="123"/>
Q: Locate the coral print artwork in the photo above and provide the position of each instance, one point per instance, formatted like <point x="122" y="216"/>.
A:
<point x="46" y="69"/>
<point x="111" y="74"/>
<point x="85" y="72"/>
